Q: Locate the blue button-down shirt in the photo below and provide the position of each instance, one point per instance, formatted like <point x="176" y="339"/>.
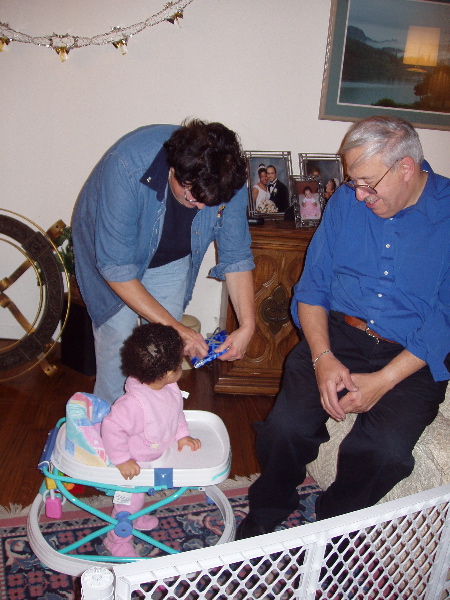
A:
<point x="118" y="221"/>
<point x="393" y="273"/>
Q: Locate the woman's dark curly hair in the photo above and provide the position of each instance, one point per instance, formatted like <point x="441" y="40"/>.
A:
<point x="151" y="351"/>
<point x="207" y="157"/>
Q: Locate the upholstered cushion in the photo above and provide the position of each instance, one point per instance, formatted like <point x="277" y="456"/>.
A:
<point x="432" y="455"/>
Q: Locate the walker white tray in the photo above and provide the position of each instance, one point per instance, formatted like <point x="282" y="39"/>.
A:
<point x="207" y="466"/>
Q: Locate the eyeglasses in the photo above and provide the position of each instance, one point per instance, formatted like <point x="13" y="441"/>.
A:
<point x="369" y="188"/>
<point x="187" y="188"/>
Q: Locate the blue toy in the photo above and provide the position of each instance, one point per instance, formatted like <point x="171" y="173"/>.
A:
<point x="213" y="342"/>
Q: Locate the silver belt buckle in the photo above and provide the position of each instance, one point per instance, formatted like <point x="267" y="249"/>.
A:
<point x="367" y="330"/>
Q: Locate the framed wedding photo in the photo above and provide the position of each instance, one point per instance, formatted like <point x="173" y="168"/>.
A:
<point x="308" y="201"/>
<point x="269" y="183"/>
<point x="389" y="57"/>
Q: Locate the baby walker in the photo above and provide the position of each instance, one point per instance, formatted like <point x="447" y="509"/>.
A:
<point x="73" y="456"/>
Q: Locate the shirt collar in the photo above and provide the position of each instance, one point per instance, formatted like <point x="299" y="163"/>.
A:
<point x="156" y="176"/>
<point x="428" y="203"/>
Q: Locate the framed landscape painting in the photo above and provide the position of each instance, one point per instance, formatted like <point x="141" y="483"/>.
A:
<point x="388" y="57"/>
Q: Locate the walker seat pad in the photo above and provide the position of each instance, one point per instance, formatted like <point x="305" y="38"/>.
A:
<point x="84" y="415"/>
<point x="207" y="466"/>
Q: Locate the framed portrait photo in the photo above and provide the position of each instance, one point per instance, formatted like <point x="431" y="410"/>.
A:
<point x="269" y="183"/>
<point x="308" y="201"/>
<point x="325" y="168"/>
<point x="389" y="57"/>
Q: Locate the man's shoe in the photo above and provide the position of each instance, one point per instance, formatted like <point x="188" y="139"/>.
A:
<point x="248" y="528"/>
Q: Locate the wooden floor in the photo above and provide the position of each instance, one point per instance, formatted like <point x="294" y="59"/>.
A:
<point x="32" y="403"/>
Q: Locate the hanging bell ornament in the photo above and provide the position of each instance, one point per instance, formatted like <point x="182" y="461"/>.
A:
<point x="4" y="41"/>
<point x="174" y="18"/>
<point x="63" y="52"/>
<point x="121" y="44"/>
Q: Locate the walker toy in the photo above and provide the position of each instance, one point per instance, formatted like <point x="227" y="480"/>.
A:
<point x="177" y="471"/>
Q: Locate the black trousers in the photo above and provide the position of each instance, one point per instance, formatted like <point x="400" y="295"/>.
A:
<point x="375" y="455"/>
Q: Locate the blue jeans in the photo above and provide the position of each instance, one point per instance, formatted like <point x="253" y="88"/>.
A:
<point x="167" y="284"/>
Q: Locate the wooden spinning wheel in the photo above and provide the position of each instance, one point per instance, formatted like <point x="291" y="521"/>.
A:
<point x="39" y="250"/>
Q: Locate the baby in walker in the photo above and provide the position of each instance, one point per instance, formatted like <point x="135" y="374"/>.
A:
<point x="147" y="419"/>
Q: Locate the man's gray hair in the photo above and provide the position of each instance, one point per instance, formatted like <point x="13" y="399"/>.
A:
<point x="390" y="137"/>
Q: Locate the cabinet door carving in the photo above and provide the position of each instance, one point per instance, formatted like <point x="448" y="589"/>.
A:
<point x="279" y="253"/>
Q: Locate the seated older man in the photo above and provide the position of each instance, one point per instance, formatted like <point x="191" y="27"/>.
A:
<point x="373" y="304"/>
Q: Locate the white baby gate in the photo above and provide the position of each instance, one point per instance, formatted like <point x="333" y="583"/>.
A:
<point x="396" y="550"/>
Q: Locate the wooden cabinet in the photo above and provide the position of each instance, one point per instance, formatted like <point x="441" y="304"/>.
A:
<point x="279" y="251"/>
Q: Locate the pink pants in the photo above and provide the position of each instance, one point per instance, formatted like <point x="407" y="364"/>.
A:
<point x="137" y="502"/>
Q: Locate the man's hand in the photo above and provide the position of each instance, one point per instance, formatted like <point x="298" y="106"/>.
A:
<point x="371" y="387"/>
<point x="333" y="377"/>
<point x="129" y="469"/>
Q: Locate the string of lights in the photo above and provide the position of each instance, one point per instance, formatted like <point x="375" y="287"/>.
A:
<point x="118" y="36"/>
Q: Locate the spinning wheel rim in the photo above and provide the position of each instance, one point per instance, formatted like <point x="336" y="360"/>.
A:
<point x="37" y="247"/>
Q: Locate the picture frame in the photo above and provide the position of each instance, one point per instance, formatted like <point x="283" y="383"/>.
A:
<point x="308" y="201"/>
<point x="364" y="75"/>
<point x="326" y="168"/>
<point x="279" y="165"/>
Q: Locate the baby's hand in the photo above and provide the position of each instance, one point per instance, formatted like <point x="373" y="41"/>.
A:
<point x="193" y="443"/>
<point x="129" y="468"/>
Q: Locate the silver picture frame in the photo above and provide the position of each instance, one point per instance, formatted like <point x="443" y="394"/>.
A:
<point x="279" y="200"/>
<point x="326" y="168"/>
<point x="308" y="201"/>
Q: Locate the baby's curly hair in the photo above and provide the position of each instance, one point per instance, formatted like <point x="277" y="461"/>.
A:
<point x="151" y="351"/>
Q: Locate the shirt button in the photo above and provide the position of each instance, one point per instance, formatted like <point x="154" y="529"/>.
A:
<point x="386" y="272"/>
<point x="388" y="245"/>
<point x="372" y="321"/>
<point x="380" y="295"/>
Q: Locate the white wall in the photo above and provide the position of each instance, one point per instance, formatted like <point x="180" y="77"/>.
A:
<point x="254" y="65"/>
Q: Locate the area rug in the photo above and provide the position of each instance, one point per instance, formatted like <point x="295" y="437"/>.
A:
<point x="187" y="524"/>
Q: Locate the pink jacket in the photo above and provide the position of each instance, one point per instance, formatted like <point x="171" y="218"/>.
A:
<point x="143" y="423"/>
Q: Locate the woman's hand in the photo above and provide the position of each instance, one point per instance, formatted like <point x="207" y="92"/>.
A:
<point x="194" y="344"/>
<point x="237" y="343"/>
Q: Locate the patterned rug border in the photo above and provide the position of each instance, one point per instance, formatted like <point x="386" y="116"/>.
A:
<point x="16" y="510"/>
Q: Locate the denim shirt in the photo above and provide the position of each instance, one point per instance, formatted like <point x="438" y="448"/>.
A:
<point x="119" y="215"/>
<point x="393" y="273"/>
